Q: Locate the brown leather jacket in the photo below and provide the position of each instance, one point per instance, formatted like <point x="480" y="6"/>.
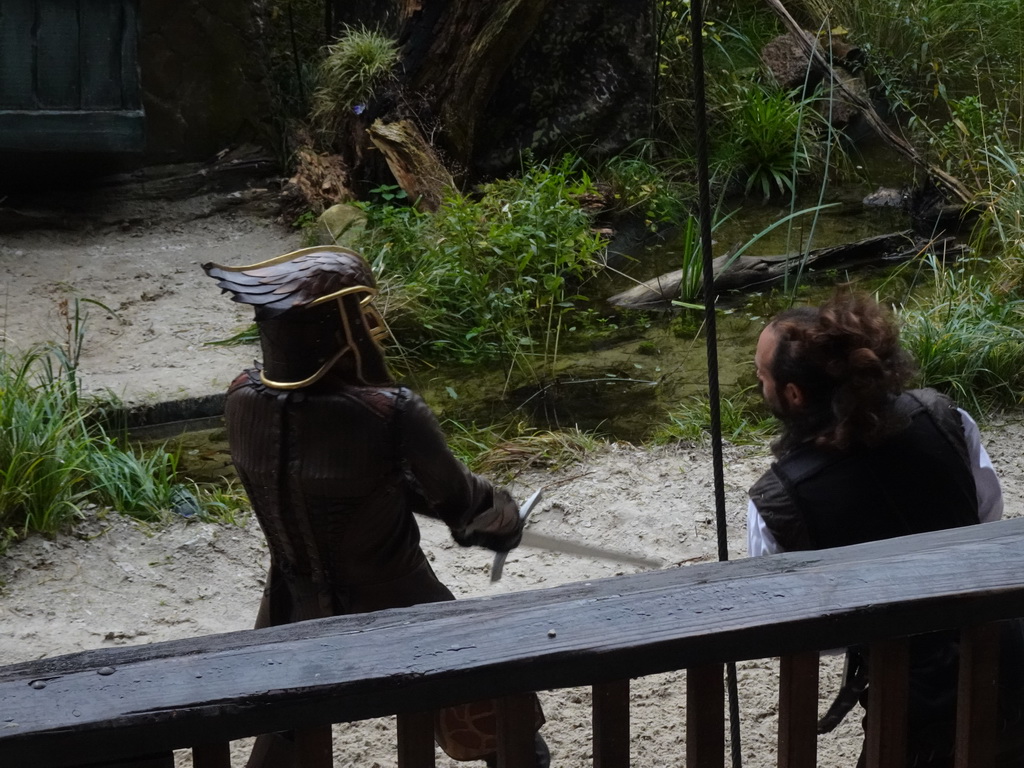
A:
<point x="334" y="473"/>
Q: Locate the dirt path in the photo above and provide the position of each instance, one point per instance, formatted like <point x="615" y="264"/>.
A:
<point x="142" y="263"/>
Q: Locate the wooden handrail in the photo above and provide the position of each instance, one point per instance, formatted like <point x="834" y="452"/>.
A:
<point x="60" y="711"/>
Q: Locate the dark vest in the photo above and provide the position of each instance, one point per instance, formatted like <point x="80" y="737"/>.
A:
<point x="918" y="480"/>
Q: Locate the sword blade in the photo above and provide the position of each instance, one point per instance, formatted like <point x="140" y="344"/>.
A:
<point x="555" y="544"/>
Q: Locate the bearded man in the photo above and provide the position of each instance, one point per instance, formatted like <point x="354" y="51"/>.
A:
<point x="336" y="458"/>
<point x="862" y="458"/>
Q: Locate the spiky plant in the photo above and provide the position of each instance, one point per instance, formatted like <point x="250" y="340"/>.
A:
<point x="355" y="70"/>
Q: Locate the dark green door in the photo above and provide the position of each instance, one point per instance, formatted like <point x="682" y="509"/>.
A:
<point x="69" y="76"/>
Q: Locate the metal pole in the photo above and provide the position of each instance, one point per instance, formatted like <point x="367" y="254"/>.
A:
<point x="704" y="205"/>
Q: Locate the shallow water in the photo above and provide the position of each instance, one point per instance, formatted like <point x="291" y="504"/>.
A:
<point x="623" y="386"/>
<point x="624" y="389"/>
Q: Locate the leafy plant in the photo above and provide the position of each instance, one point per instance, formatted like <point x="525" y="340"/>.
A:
<point x="766" y="137"/>
<point x="639" y="185"/>
<point x="488" y="277"/>
<point x="388" y="193"/>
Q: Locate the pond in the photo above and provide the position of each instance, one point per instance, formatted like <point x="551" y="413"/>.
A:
<point x="624" y="385"/>
<point x="621" y="381"/>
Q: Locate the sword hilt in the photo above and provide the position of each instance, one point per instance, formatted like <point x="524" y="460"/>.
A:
<point x="524" y="512"/>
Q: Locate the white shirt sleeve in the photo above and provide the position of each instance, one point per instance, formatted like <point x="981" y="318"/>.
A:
<point x="990" y="494"/>
<point x="759" y="539"/>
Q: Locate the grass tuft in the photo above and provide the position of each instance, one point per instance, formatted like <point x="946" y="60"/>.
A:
<point x="968" y="340"/>
<point x="745" y="421"/>
<point x="355" y="70"/>
<point x="505" y="453"/>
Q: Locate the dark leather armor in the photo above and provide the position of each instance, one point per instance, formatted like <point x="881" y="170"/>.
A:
<point x="334" y="474"/>
<point x="916" y="481"/>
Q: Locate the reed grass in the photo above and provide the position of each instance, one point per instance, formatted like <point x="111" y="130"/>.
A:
<point x="928" y="49"/>
<point x="55" y="458"/>
<point x="744" y="421"/>
<point x="967" y="339"/>
<point x="43" y="444"/>
<point x="145" y="487"/>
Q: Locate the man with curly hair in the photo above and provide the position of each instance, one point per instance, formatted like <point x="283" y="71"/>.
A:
<point x="862" y="458"/>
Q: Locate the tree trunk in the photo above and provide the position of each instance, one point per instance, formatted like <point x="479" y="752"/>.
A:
<point x="485" y="82"/>
<point x="457" y="57"/>
<point x="415" y="165"/>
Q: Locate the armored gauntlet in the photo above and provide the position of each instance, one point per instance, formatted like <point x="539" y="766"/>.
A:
<point x="498" y="528"/>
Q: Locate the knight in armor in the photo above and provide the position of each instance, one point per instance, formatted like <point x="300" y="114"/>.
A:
<point x="861" y="458"/>
<point x="336" y="458"/>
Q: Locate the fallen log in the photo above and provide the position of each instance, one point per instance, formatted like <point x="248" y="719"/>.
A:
<point x="736" y="273"/>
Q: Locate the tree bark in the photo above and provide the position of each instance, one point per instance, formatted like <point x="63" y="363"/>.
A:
<point x="458" y="55"/>
<point x="486" y="82"/>
<point x="413" y="162"/>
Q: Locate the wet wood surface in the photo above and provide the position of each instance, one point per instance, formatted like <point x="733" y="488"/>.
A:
<point x="228" y="686"/>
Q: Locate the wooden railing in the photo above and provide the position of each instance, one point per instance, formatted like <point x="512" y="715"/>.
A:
<point x="131" y="706"/>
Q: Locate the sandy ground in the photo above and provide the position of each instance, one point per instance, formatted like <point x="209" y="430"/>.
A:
<point x="115" y="582"/>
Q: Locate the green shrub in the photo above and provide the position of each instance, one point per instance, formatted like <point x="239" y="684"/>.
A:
<point x="488" y="277"/>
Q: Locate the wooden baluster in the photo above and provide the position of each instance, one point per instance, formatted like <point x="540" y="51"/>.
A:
<point x="798" y="710"/>
<point x="315" y="747"/>
<point x="611" y="724"/>
<point x="885" y="743"/>
<point x="416" y="740"/>
<point x="516" y="731"/>
<point x="977" y="697"/>
<point x="705" y="717"/>
<point x="216" y="755"/>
